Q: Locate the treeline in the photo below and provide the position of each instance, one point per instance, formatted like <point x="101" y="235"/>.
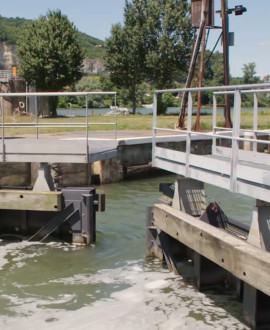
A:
<point x="213" y="76"/>
<point x="150" y="51"/>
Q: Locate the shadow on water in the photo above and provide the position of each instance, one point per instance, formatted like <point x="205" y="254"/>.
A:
<point x="219" y="296"/>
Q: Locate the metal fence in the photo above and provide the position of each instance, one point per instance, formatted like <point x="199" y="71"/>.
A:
<point x="5" y="75"/>
<point x="39" y="125"/>
<point x="232" y="151"/>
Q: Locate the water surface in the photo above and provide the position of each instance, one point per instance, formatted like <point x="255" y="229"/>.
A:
<point x="111" y="285"/>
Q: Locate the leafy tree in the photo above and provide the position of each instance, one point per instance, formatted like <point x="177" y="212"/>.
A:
<point x="49" y="54"/>
<point x="169" y="40"/>
<point x="93" y="84"/>
<point x="266" y="79"/>
<point x="249" y="72"/>
<point x="213" y="75"/>
<point x="153" y="44"/>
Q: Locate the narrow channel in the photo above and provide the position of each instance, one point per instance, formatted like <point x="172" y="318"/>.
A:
<point x="111" y="285"/>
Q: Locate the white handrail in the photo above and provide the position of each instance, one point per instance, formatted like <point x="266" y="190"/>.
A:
<point x="236" y="134"/>
<point x="38" y="125"/>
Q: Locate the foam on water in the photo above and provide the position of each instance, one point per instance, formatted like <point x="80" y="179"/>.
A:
<point x="60" y="286"/>
<point x="144" y="296"/>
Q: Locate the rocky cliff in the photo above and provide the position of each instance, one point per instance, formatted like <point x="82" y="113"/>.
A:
<point x="8" y="56"/>
<point x="8" y="59"/>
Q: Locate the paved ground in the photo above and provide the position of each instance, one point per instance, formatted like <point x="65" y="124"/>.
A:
<point x="92" y="134"/>
<point x="71" y="147"/>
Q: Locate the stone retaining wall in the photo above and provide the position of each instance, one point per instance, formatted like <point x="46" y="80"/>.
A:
<point x="133" y="161"/>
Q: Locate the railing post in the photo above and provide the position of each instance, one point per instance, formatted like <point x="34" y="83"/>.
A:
<point x="115" y="133"/>
<point x="235" y="140"/>
<point x="214" y="143"/>
<point x="188" y="139"/>
<point x="255" y="121"/>
<point x="154" y="129"/>
<point x="36" y="111"/>
<point x="3" y="129"/>
<point x="86" y="110"/>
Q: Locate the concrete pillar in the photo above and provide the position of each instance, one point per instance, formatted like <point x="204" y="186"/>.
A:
<point x="256" y="307"/>
<point x="189" y="196"/>
<point x="207" y="273"/>
<point x="256" y="304"/>
<point x="109" y="170"/>
<point x="153" y="244"/>
<point x="44" y="180"/>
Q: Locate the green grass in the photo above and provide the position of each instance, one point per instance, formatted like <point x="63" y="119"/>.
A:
<point x="129" y="122"/>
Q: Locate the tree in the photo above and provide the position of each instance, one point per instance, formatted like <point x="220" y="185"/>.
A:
<point x="249" y="72"/>
<point x="126" y="50"/>
<point x="93" y="84"/>
<point x="153" y="44"/>
<point x="213" y="75"/>
<point x="169" y="40"/>
<point x="50" y="56"/>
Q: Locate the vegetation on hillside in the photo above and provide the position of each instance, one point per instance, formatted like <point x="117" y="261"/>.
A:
<point x="11" y="29"/>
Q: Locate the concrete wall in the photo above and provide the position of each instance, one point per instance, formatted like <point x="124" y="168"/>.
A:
<point x="15" y="174"/>
<point x="133" y="161"/>
<point x="11" y="103"/>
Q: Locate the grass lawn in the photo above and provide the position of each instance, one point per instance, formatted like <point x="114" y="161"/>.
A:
<point x="129" y="122"/>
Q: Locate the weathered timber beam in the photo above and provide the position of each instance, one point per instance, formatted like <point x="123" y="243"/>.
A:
<point x="248" y="263"/>
<point x="30" y="200"/>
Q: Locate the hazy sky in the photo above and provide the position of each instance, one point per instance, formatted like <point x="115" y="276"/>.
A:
<point x="95" y="17"/>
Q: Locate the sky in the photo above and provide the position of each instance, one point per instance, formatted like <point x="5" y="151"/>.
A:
<point x="95" y="17"/>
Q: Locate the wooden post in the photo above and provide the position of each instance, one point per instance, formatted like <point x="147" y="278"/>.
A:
<point x="193" y="61"/>
<point x="207" y="273"/>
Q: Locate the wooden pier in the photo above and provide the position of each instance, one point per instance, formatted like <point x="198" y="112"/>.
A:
<point x="182" y="227"/>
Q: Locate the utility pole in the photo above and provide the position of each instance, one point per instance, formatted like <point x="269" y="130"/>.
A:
<point x="197" y="126"/>
<point x="194" y="57"/>
<point x="225" y="43"/>
<point x="224" y="12"/>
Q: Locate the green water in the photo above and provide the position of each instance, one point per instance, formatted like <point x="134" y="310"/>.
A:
<point x="111" y="285"/>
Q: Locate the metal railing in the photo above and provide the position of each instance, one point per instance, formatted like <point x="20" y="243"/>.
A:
<point x="5" y="75"/>
<point x="235" y="136"/>
<point x="38" y="125"/>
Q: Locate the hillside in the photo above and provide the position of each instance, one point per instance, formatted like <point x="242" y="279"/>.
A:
<point x="10" y="30"/>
